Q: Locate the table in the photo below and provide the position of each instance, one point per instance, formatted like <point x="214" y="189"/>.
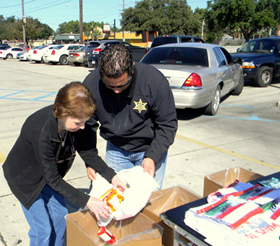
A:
<point x="175" y="218"/>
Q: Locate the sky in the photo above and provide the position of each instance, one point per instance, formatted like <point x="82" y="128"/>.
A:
<point x="55" y="12"/>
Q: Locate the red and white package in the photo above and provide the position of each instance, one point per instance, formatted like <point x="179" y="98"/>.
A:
<point x="105" y="235"/>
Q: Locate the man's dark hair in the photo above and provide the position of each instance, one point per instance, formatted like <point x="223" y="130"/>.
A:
<point x="114" y="61"/>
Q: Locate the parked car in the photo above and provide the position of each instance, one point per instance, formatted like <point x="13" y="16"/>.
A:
<point x="77" y="57"/>
<point x="4" y="46"/>
<point x="95" y="47"/>
<point x="260" y="60"/>
<point x="199" y="74"/>
<point x="170" y="39"/>
<point x="23" y="56"/>
<point x="59" y="53"/>
<point x="10" y="53"/>
<point x="21" y="45"/>
<point x="26" y="55"/>
<point x="37" y="55"/>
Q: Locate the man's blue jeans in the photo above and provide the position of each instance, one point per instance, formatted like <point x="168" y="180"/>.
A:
<point x="46" y="219"/>
<point x="119" y="159"/>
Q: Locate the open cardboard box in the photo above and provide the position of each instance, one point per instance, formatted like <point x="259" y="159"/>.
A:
<point x="163" y="200"/>
<point x="223" y="178"/>
<point x="82" y="228"/>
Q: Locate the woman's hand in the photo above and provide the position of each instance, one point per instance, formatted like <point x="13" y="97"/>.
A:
<point x="98" y="207"/>
<point x="149" y="166"/>
<point x="117" y="183"/>
<point x="91" y="173"/>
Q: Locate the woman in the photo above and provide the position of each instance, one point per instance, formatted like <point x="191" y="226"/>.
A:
<point x="42" y="155"/>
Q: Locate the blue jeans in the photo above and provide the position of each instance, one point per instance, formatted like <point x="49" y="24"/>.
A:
<point x="46" y="219"/>
<point x="119" y="159"/>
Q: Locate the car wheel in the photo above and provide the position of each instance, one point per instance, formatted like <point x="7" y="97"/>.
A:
<point x="9" y="56"/>
<point x="63" y="60"/>
<point x="213" y="107"/>
<point x="264" y="76"/>
<point x="89" y="64"/>
<point x="239" y="88"/>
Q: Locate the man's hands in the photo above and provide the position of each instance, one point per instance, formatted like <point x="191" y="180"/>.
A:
<point x="149" y="166"/>
<point x="117" y="183"/>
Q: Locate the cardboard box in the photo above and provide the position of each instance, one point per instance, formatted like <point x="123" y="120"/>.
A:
<point x="82" y="228"/>
<point x="163" y="200"/>
<point x="223" y="178"/>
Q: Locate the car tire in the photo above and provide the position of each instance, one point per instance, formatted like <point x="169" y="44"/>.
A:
<point x="213" y="107"/>
<point x="264" y="76"/>
<point x="63" y="60"/>
<point x="239" y="88"/>
<point x="89" y="64"/>
<point x="9" y="56"/>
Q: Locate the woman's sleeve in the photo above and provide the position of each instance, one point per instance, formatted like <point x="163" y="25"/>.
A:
<point x="85" y="143"/>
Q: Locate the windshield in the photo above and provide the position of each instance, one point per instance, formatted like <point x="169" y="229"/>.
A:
<point x="163" y="40"/>
<point x="262" y="46"/>
<point x="177" y="56"/>
<point x="82" y="48"/>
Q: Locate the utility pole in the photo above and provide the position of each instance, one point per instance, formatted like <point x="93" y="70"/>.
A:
<point x="114" y="28"/>
<point x="23" y="25"/>
<point x="81" y="22"/>
<point x="203" y="23"/>
<point x="122" y="26"/>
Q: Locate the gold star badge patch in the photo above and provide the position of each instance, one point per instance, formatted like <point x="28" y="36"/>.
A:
<point x="140" y="106"/>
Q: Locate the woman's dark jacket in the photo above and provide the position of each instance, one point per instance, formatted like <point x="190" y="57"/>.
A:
<point x="31" y="164"/>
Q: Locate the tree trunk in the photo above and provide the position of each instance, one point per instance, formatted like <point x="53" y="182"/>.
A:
<point x="247" y="37"/>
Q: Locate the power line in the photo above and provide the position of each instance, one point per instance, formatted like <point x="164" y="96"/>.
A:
<point x="39" y="8"/>
<point x="7" y="7"/>
<point x="48" y="6"/>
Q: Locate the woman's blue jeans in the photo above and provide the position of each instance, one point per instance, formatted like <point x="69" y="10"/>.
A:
<point x="119" y="159"/>
<point x="46" y="219"/>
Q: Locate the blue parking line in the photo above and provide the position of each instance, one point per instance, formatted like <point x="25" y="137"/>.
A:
<point x="30" y="100"/>
<point x="8" y="96"/>
<point x="13" y="94"/>
<point x="250" y="108"/>
<point x="38" y="98"/>
<point x="239" y="118"/>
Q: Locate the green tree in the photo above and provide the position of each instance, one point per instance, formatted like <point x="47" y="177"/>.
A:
<point x="12" y="29"/>
<point x="36" y="30"/>
<point x="90" y="29"/>
<point x="164" y="16"/>
<point x="69" y="27"/>
<point x="249" y="16"/>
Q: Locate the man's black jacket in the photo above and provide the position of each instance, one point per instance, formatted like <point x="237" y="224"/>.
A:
<point x="140" y="118"/>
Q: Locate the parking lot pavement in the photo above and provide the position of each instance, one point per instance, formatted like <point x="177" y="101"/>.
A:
<point x="244" y="133"/>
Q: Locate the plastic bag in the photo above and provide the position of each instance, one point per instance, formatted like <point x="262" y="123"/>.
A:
<point x="136" y="196"/>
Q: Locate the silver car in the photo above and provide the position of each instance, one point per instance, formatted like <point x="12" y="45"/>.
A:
<point x="77" y="57"/>
<point x="199" y="74"/>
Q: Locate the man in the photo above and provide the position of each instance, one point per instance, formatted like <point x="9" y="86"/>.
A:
<point x="135" y="110"/>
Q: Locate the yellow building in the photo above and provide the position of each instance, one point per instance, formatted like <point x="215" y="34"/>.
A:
<point x="129" y="37"/>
